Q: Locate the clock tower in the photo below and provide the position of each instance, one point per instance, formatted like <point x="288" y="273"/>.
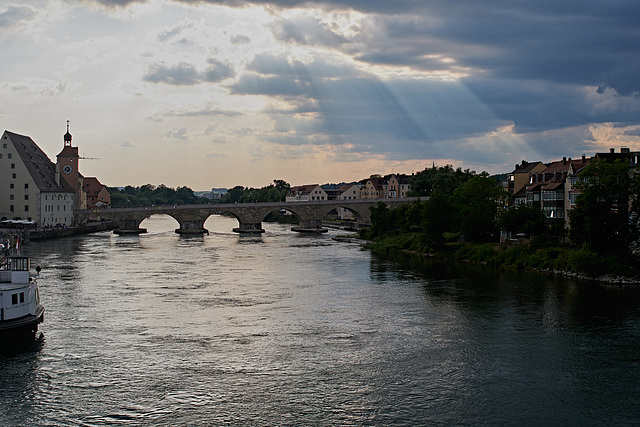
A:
<point x="67" y="168"/>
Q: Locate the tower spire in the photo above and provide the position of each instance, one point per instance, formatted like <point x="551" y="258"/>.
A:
<point x="67" y="137"/>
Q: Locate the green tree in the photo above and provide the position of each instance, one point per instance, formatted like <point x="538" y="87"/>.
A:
<point x="606" y="214"/>
<point x="380" y="220"/>
<point x="476" y="203"/>
<point x="436" y="219"/>
<point x="439" y="179"/>
<point x="523" y="218"/>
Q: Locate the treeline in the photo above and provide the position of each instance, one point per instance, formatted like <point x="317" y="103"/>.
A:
<point x="149" y="195"/>
<point x="459" y="202"/>
<point x="274" y="192"/>
<point x="470" y="207"/>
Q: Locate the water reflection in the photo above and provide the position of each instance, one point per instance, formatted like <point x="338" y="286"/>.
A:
<point x="291" y="329"/>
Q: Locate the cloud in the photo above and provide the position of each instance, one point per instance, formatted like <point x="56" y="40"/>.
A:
<point x="176" y="133"/>
<point x="181" y="74"/>
<point x="218" y="71"/>
<point x="240" y="39"/>
<point x="127" y="144"/>
<point x="185" y="74"/>
<point x="14" y="14"/>
<point x="198" y="111"/>
<point x="306" y="30"/>
<point x="251" y="84"/>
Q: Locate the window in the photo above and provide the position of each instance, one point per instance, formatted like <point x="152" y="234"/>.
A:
<point x="0" y="155"/>
<point x="10" y="185"/>
<point x="8" y="155"/>
<point x="14" y="299"/>
<point x="26" y="208"/>
<point x="11" y="197"/>
<point x="26" y="186"/>
<point x="13" y="165"/>
<point x="21" y="297"/>
<point x="572" y="198"/>
<point x="11" y="208"/>
<point x="13" y="176"/>
<point x="26" y="197"/>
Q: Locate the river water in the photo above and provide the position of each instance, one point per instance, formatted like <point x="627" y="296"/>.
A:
<point x="288" y="329"/>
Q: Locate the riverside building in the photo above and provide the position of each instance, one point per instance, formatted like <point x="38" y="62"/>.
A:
<point x="33" y="188"/>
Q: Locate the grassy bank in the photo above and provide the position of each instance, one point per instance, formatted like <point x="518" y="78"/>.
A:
<point x="537" y="257"/>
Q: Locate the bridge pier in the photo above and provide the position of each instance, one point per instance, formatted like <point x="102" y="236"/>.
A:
<point x="249" y="228"/>
<point x="191" y="227"/>
<point x="310" y="226"/>
<point x="129" y="226"/>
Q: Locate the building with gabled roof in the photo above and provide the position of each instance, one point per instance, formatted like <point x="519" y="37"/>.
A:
<point x="31" y="188"/>
<point x="97" y="194"/>
<point x="396" y="185"/>
<point x="373" y="188"/>
<point x="34" y="188"/>
<point x="306" y="193"/>
<point x="552" y="189"/>
<point x="519" y="178"/>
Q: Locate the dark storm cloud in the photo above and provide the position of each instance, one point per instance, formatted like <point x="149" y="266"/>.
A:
<point x="584" y="42"/>
<point x="306" y="31"/>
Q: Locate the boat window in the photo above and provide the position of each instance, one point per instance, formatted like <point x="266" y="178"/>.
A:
<point x="21" y="297"/>
<point x="20" y="264"/>
<point x="14" y="299"/>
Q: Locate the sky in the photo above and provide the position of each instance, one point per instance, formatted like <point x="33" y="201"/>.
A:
<point x="219" y="93"/>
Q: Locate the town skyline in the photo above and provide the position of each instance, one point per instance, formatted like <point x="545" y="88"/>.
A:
<point x="203" y="94"/>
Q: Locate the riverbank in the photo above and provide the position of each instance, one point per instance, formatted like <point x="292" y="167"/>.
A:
<point x="26" y="234"/>
<point x="576" y="263"/>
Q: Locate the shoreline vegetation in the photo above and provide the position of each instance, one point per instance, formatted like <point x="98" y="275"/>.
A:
<point x="576" y="263"/>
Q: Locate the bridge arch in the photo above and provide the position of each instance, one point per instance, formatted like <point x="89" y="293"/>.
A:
<point x="146" y="223"/>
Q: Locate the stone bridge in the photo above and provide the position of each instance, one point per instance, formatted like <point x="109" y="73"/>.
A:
<point x="249" y="215"/>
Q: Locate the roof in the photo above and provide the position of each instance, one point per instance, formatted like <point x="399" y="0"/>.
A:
<point x="563" y="165"/>
<point x="41" y="169"/>
<point x="377" y="183"/>
<point x="402" y="178"/>
<point x="301" y="189"/>
<point x="525" y="167"/>
<point x="553" y="185"/>
<point x="92" y="186"/>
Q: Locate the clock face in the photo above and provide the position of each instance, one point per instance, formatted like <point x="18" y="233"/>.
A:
<point x="67" y="169"/>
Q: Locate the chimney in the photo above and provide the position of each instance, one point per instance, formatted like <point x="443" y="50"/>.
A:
<point x="583" y="158"/>
<point x="564" y="160"/>
<point x="624" y="150"/>
<point x="612" y="150"/>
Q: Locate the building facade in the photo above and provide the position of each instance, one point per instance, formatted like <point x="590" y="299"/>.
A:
<point x="31" y="188"/>
<point x="34" y="188"/>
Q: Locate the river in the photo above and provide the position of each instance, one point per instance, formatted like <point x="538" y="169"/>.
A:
<point x="287" y="329"/>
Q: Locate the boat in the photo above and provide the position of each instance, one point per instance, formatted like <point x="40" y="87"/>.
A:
<point x="20" y="308"/>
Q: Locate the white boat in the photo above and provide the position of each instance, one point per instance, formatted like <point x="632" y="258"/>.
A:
<point x="20" y="307"/>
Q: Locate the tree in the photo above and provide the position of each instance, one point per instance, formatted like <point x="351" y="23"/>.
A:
<point x="523" y="218"/>
<point x="436" y="218"/>
<point x="439" y="179"/>
<point x="476" y="203"/>
<point x="606" y="214"/>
